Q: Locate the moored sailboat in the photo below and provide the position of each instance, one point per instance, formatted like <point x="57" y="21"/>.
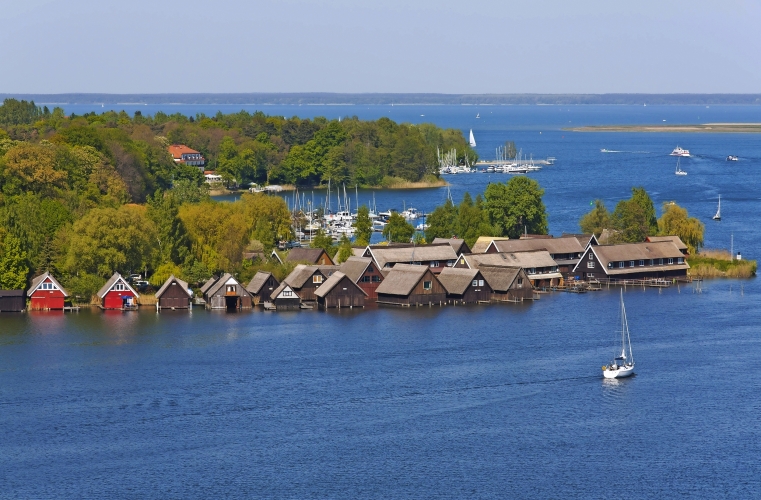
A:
<point x="623" y="360"/>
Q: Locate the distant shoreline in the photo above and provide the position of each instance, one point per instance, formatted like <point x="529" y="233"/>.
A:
<point x="336" y="99"/>
<point x="743" y="128"/>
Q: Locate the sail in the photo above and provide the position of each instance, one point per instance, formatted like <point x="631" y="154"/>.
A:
<point x="718" y="210"/>
<point x="472" y="139"/>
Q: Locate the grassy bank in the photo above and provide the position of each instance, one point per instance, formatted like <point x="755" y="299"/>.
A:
<point x="719" y="264"/>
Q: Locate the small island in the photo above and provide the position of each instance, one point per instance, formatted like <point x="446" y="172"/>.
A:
<point x="735" y="128"/>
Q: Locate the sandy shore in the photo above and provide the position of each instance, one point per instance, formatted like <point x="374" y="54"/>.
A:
<point x="747" y="128"/>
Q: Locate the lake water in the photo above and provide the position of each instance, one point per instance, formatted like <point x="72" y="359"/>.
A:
<point x="484" y="402"/>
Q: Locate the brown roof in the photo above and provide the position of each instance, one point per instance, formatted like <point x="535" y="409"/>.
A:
<point x="554" y="246"/>
<point x="674" y="239"/>
<point x="168" y="282"/>
<point x="457" y="280"/>
<point x="401" y="279"/>
<point x="459" y="246"/>
<point x="222" y="282"/>
<point x="354" y="267"/>
<point x="209" y="283"/>
<point x="483" y="242"/>
<point x="311" y="255"/>
<point x="331" y="283"/>
<point x="39" y="279"/>
<point x="637" y="251"/>
<point x="258" y="281"/>
<point x="412" y="253"/>
<point x="301" y="274"/>
<point x="500" y="279"/>
<point x="526" y="260"/>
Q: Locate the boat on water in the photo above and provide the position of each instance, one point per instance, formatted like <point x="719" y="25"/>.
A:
<point x="410" y="213"/>
<point x="718" y="211"/>
<point x="478" y="115"/>
<point x="679" y="171"/>
<point x="732" y="158"/>
<point x="623" y="359"/>
<point x="472" y="139"/>
<point x="680" y="152"/>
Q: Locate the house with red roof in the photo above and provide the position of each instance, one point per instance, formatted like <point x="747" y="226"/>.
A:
<point x="183" y="154"/>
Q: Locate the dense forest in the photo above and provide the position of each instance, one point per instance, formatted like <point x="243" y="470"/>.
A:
<point x="84" y="196"/>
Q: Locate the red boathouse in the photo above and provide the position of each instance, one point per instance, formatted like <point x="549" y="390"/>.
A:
<point x="46" y="293"/>
<point x="117" y="294"/>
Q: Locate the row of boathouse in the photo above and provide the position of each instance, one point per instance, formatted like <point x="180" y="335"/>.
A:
<point x="444" y="272"/>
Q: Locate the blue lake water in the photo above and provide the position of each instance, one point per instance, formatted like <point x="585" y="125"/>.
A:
<point x="496" y="401"/>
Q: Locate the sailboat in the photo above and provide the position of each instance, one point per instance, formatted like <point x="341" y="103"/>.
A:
<point x="623" y="361"/>
<point x="679" y="171"/>
<point x="718" y="211"/>
<point x="472" y="139"/>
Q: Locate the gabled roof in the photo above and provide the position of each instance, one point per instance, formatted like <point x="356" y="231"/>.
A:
<point x="258" y="281"/>
<point x="311" y="255"/>
<point x="499" y="278"/>
<point x="584" y="239"/>
<point x="635" y="251"/>
<point x="563" y="245"/>
<point x="36" y="282"/>
<point x="111" y="282"/>
<point x="402" y="279"/>
<point x="526" y="260"/>
<point x="227" y="277"/>
<point x="276" y="255"/>
<point x="331" y="283"/>
<point x="277" y="291"/>
<point x="676" y="240"/>
<point x="209" y="283"/>
<point x="177" y="150"/>
<point x="412" y="253"/>
<point x="483" y="242"/>
<point x="301" y="274"/>
<point x="459" y="246"/>
<point x="355" y="267"/>
<point x="358" y="251"/>
<point x="169" y="281"/>
<point x="457" y="280"/>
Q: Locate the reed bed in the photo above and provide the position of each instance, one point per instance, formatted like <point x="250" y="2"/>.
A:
<point x="719" y="264"/>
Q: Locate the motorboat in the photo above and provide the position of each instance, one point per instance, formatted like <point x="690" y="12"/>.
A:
<point x="680" y="152"/>
<point x="732" y="158"/>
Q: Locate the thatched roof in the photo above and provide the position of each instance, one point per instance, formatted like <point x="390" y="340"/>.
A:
<point x="676" y="240"/>
<point x="500" y="279"/>
<point x="457" y="280"/>
<point x="483" y="242"/>
<point x="412" y="253"/>
<point x="526" y="260"/>
<point x="301" y="274"/>
<point x="111" y="282"/>
<point x="277" y="291"/>
<point x="226" y="279"/>
<point x="258" y="281"/>
<point x="36" y="282"/>
<point x="459" y="246"/>
<point x="310" y="255"/>
<point x="555" y="246"/>
<point x="402" y="279"/>
<point x="355" y="267"/>
<point x="635" y="252"/>
<point x="209" y="283"/>
<point x="168" y="283"/>
<point x="332" y="282"/>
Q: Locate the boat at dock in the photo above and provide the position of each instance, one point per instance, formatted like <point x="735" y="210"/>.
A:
<point x="623" y="360"/>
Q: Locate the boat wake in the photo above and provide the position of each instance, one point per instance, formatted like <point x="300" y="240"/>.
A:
<point x="628" y="152"/>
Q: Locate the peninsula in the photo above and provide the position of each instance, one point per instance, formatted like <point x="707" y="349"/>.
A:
<point x="742" y="128"/>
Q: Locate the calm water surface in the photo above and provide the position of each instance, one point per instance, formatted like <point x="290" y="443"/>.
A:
<point x="482" y="402"/>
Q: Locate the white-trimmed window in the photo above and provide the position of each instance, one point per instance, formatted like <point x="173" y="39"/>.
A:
<point x="591" y="256"/>
<point x="621" y="264"/>
<point x="591" y="264"/>
<point x="317" y="278"/>
<point x="631" y="263"/>
<point x="520" y="282"/>
<point x="119" y="287"/>
<point x="641" y="262"/>
<point x="680" y="260"/>
<point x="427" y="285"/>
<point x="450" y="262"/>
<point x="434" y="263"/>
<point x="287" y="293"/>
<point x="671" y="260"/>
<point x="480" y="282"/>
<point x="660" y="262"/>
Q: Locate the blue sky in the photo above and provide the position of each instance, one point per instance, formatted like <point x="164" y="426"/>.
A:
<point x="541" y="46"/>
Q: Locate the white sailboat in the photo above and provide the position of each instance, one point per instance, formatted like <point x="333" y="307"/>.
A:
<point x="472" y="139"/>
<point x="718" y="211"/>
<point x="623" y="360"/>
<point x="679" y="171"/>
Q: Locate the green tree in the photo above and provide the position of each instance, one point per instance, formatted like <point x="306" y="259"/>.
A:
<point x="641" y="198"/>
<point x="398" y="230"/>
<point x="471" y="220"/>
<point x="324" y="241"/>
<point x="14" y="268"/>
<point x="676" y="222"/>
<point x="171" y="235"/>
<point x="14" y="112"/>
<point x="162" y="273"/>
<point x="344" y="249"/>
<point x="441" y="222"/>
<point x="596" y="220"/>
<point x="363" y="226"/>
<point x="189" y="191"/>
<point x="630" y="221"/>
<point x="515" y="207"/>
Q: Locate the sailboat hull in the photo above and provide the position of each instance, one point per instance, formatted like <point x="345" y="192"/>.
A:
<point x="622" y="372"/>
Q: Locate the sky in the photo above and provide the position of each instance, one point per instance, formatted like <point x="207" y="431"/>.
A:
<point x="468" y="46"/>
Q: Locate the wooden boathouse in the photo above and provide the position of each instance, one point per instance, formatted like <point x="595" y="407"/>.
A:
<point x="465" y="286"/>
<point x="12" y="300"/>
<point x="364" y="272"/>
<point x="174" y="294"/>
<point x="285" y="298"/>
<point x="411" y="285"/>
<point x="118" y="294"/>
<point x="46" y="294"/>
<point x="227" y="293"/>
<point x="508" y="284"/>
<point x="261" y="287"/>
<point x="340" y="291"/>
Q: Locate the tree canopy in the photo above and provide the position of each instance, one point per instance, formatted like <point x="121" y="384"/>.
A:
<point x="516" y="207"/>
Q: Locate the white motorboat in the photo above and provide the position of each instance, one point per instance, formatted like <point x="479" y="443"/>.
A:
<point x="680" y="152"/>
<point x="623" y="360"/>
<point x="422" y="226"/>
<point x="410" y="213"/>
<point x="718" y="211"/>
<point x="732" y="158"/>
<point x="679" y="171"/>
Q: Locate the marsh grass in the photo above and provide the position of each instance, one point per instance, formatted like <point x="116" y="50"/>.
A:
<point x="719" y="264"/>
